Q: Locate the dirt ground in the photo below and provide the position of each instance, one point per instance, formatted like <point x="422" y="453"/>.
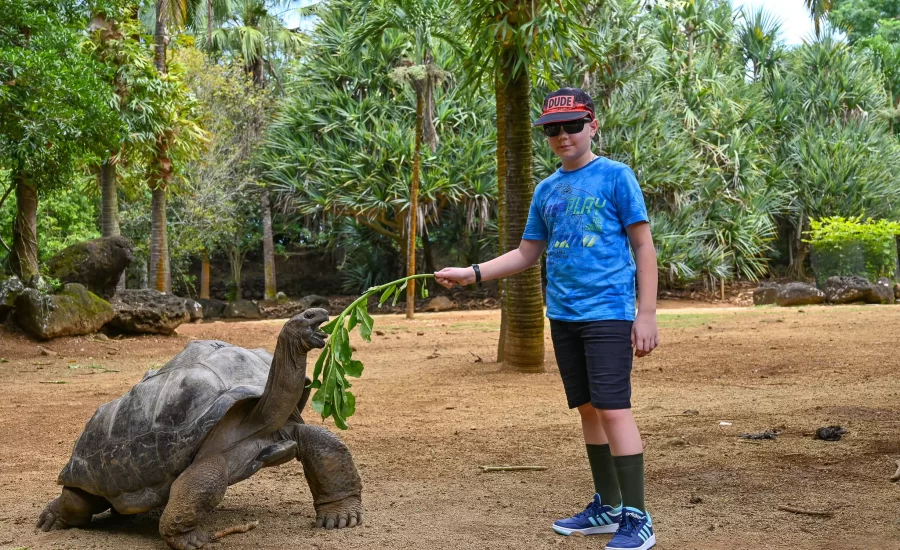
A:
<point x="424" y="426"/>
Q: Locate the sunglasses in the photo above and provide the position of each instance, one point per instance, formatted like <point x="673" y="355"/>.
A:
<point x="571" y="128"/>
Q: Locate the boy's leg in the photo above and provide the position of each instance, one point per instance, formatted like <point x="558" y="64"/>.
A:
<point x="608" y="353"/>
<point x="603" y="468"/>
<point x="628" y="454"/>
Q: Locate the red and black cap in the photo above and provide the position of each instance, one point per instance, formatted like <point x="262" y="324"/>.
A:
<point x="566" y="105"/>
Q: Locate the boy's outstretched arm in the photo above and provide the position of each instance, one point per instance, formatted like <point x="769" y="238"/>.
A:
<point x="644" y="334"/>
<point x="514" y="261"/>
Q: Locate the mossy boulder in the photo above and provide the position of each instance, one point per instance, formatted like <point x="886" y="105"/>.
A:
<point x="10" y="288"/>
<point x="97" y="264"/>
<point x="148" y="311"/>
<point x="798" y="294"/>
<point x="212" y="308"/>
<point x="71" y="312"/>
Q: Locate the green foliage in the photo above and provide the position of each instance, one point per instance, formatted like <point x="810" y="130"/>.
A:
<point x="335" y="364"/>
<point x="850" y="246"/>
<point x="56" y="107"/>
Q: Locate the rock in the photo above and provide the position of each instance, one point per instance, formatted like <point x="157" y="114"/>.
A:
<point x="212" y="308"/>
<point x="314" y="300"/>
<point x="897" y="291"/>
<point x="97" y="264"/>
<point x="830" y="433"/>
<point x="194" y="309"/>
<point x="282" y="298"/>
<point x="798" y="294"/>
<point x="71" y="312"/>
<point x="9" y="290"/>
<point x="48" y="352"/>
<point x="882" y="292"/>
<point x="765" y="294"/>
<point x="242" y="309"/>
<point x="439" y="303"/>
<point x="845" y="290"/>
<point x="147" y="311"/>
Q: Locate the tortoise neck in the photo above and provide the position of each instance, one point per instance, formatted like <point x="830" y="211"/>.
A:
<point x="284" y="387"/>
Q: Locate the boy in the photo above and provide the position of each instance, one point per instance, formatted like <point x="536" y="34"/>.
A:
<point x="588" y="212"/>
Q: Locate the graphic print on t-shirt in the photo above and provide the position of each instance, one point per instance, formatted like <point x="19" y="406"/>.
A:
<point x="573" y="216"/>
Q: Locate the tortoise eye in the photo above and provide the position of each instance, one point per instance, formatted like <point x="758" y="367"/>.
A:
<point x="308" y="314"/>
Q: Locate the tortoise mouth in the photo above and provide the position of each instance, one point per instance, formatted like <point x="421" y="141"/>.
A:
<point x="318" y="337"/>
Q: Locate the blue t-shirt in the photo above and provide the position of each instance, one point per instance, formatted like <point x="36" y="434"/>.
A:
<point x="582" y="215"/>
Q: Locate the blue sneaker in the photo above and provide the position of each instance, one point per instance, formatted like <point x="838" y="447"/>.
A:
<point x="635" y="532"/>
<point x="596" y="519"/>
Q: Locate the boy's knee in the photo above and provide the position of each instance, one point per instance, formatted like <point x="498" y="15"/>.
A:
<point x="587" y="411"/>
<point x="613" y="415"/>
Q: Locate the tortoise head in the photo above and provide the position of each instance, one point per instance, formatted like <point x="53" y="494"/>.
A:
<point x="304" y="329"/>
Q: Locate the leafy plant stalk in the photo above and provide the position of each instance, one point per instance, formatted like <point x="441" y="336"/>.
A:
<point x="335" y="364"/>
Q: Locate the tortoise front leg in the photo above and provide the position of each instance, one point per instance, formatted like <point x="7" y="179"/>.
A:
<point x="331" y="475"/>
<point x="73" y="508"/>
<point x="196" y="492"/>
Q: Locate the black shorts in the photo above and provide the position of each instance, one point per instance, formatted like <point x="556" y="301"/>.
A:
<point x="594" y="359"/>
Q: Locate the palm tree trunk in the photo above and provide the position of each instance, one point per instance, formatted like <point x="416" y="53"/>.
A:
<point x="500" y="98"/>
<point x="236" y="261"/>
<point x="268" y="245"/>
<point x="204" y="276"/>
<point x="413" y="210"/>
<point x="109" y="208"/>
<point x="524" y="348"/>
<point x="162" y="170"/>
<point x="23" y="260"/>
<point x="159" y="245"/>
<point x="259" y="72"/>
<point x="161" y="35"/>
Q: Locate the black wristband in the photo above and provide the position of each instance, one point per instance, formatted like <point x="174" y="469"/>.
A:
<point x="477" y="273"/>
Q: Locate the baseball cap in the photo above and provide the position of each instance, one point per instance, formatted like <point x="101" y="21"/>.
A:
<point x="566" y="105"/>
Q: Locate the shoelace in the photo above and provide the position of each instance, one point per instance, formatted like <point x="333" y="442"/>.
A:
<point x="589" y="511"/>
<point x="630" y="524"/>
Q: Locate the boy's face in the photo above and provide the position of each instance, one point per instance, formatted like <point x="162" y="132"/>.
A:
<point x="570" y="147"/>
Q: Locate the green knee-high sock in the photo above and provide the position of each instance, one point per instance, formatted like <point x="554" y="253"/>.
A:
<point x="603" y="470"/>
<point x="630" y="471"/>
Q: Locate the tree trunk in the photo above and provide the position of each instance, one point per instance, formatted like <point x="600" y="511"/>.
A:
<point x="524" y="348"/>
<point x="23" y="260"/>
<point x="159" y="245"/>
<point x="259" y="72"/>
<point x="161" y="36"/>
<point x="161" y="172"/>
<point x="413" y="210"/>
<point x="268" y="245"/>
<point x="236" y="261"/>
<point x="109" y="207"/>
<point x="204" y="276"/>
<point x="500" y="98"/>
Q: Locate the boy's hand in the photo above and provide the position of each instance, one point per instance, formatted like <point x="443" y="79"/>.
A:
<point x="644" y="334"/>
<point x="459" y="275"/>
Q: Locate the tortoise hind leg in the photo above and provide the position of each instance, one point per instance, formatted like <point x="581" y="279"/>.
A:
<point x="196" y="492"/>
<point x="73" y="508"/>
<point x="331" y="475"/>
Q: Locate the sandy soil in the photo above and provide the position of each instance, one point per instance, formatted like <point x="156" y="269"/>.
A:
<point x="423" y="426"/>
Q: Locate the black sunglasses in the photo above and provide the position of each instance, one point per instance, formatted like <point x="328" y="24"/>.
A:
<point x="571" y="128"/>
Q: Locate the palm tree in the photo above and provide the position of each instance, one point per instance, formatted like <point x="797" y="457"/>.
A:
<point x="257" y="34"/>
<point x="508" y="37"/>
<point x="424" y="25"/>
<point x="758" y="39"/>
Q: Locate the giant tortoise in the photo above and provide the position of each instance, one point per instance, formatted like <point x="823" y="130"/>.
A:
<point x="211" y="417"/>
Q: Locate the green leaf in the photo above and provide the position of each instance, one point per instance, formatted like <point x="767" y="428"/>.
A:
<point x="366" y="323"/>
<point x="396" y="296"/>
<point x="318" y="403"/>
<point x="353" y="319"/>
<point x="386" y="295"/>
<point x="320" y="363"/>
<point x="328" y="328"/>
<point x="349" y="405"/>
<point x="353" y="368"/>
<point x="342" y="344"/>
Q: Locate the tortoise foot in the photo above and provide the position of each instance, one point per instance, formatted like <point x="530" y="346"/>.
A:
<point x="50" y="519"/>
<point x="190" y="540"/>
<point x="347" y="512"/>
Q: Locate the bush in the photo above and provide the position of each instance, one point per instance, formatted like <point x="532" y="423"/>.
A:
<point x="842" y="246"/>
